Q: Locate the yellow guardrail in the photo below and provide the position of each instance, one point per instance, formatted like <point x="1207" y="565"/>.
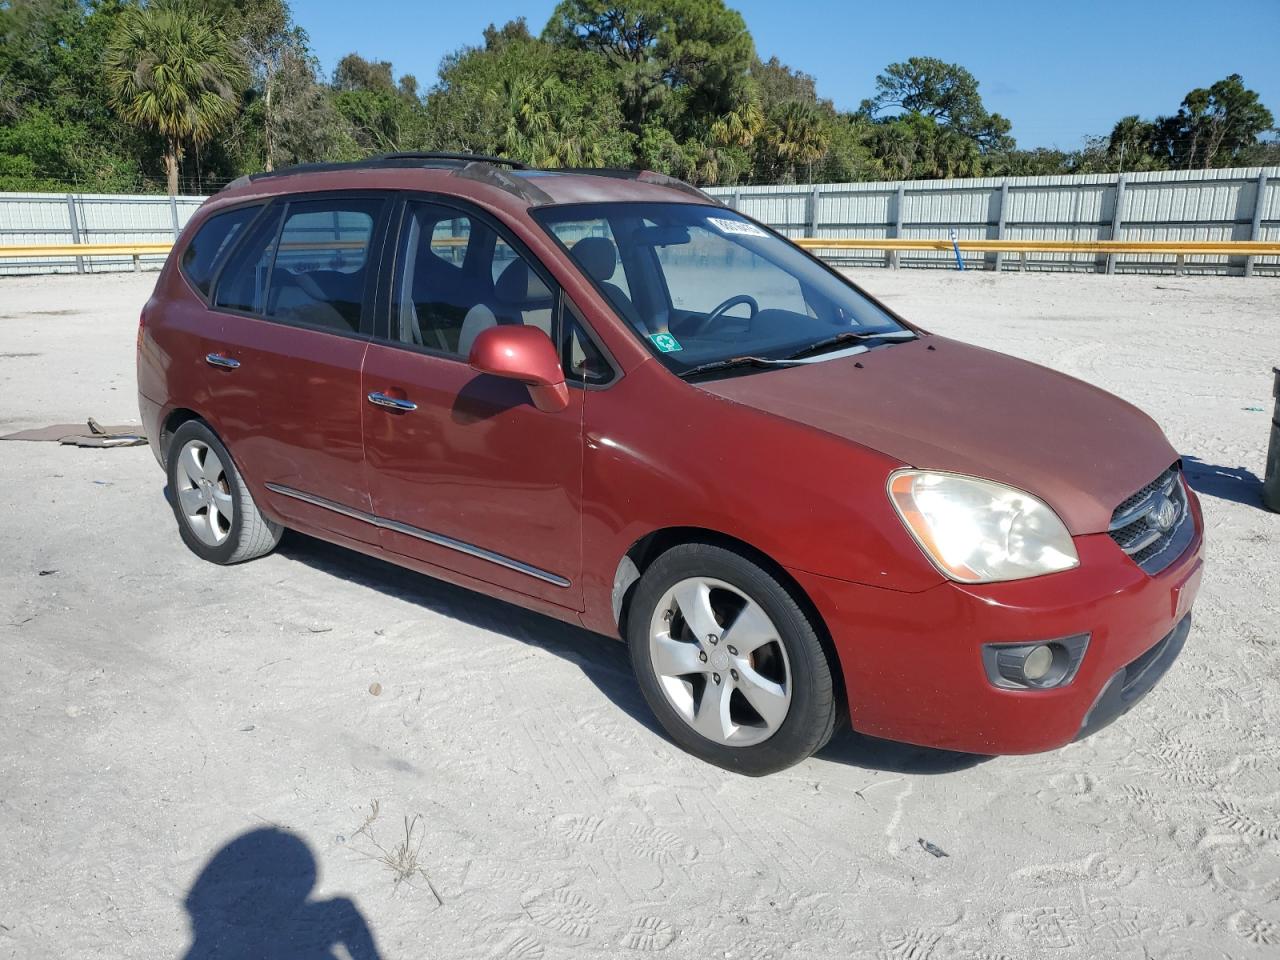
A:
<point x="1178" y="248"/>
<point x="1187" y="248"/>
<point x="84" y="250"/>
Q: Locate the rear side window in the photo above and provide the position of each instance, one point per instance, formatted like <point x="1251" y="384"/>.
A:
<point x="212" y="242"/>
<point x="312" y="269"/>
<point x="322" y="263"/>
<point x="242" y="285"/>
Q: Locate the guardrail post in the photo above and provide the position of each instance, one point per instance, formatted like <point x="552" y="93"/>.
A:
<point x="1117" y="221"/>
<point x="1000" y="215"/>
<point x="737" y="200"/>
<point x="899" y="201"/>
<point x="813" y="212"/>
<point x="173" y="216"/>
<point x="74" y="220"/>
<point x="1255" y="231"/>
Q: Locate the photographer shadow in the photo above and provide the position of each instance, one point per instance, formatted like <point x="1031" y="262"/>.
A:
<point x="252" y="899"/>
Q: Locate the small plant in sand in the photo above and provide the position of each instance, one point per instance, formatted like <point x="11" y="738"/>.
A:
<point x="403" y="859"/>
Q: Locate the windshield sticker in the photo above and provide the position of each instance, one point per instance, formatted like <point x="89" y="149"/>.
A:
<point x="665" y="342"/>
<point x="740" y="227"/>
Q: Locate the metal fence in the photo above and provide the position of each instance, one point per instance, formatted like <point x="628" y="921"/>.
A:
<point x="45" y="218"/>
<point x="1199" y="205"/>
<point x="1192" y="206"/>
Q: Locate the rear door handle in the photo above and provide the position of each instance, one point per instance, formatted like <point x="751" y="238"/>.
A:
<point x="218" y="360"/>
<point x="391" y="403"/>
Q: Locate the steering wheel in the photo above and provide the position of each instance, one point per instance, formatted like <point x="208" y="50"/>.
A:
<point x="711" y="318"/>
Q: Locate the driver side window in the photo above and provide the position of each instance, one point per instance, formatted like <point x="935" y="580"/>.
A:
<point x="456" y="277"/>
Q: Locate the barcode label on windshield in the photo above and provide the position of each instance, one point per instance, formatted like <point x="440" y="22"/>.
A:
<point x="740" y="227"/>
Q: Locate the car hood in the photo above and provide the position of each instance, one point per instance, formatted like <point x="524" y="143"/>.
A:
<point x="939" y="404"/>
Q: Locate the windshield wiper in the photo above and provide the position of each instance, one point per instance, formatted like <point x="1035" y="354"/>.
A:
<point x="733" y="362"/>
<point x="850" y="336"/>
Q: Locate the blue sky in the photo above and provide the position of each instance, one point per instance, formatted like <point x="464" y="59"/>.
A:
<point x="1058" y="71"/>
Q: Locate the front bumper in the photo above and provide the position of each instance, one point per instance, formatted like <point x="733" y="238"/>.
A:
<point x="912" y="662"/>
<point x="1134" y="681"/>
<point x="150" y="412"/>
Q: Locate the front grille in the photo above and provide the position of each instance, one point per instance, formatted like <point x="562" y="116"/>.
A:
<point x="1154" y="525"/>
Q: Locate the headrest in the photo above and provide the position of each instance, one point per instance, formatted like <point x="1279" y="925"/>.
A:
<point x="598" y="256"/>
<point x="519" y="286"/>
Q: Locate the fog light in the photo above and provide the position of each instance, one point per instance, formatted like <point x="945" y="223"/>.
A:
<point x="1038" y="663"/>
<point x="1034" y="666"/>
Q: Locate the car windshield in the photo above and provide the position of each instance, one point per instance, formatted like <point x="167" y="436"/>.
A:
<point x="706" y="289"/>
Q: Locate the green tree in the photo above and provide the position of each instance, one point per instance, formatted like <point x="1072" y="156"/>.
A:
<point x="1215" y="124"/>
<point x="796" y="136"/>
<point x="172" y="70"/>
<point x="55" y="123"/>
<point x="848" y="156"/>
<point x="694" y="52"/>
<point x="355" y="73"/>
<point x="383" y="115"/>
<point x="295" y="113"/>
<point x="530" y="100"/>
<point x="777" y="83"/>
<point x="944" y="92"/>
<point x="513" y="31"/>
<point x="1133" y="145"/>
<point x="1041" y="161"/>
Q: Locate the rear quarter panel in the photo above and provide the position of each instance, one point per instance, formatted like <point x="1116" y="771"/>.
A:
<point x="175" y="334"/>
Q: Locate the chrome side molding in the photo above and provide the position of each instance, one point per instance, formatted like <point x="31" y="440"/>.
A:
<point x="438" y="539"/>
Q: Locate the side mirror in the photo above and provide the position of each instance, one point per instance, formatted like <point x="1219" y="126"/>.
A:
<point x="525" y="354"/>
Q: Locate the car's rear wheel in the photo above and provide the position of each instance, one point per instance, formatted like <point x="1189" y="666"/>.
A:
<point x="729" y="662"/>
<point x="216" y="514"/>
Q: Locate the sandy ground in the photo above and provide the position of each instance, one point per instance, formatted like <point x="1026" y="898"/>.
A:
<point x="156" y="709"/>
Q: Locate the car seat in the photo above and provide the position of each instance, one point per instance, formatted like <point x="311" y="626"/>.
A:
<point x="598" y="256"/>
<point x="519" y="297"/>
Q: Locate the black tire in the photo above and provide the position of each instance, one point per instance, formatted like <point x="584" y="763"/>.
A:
<point x="811" y="715"/>
<point x="250" y="534"/>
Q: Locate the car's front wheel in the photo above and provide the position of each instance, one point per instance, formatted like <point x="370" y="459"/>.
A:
<point x="729" y="662"/>
<point x="216" y="514"/>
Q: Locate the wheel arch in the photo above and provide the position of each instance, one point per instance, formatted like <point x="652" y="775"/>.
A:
<point x="169" y="426"/>
<point x="175" y="418"/>
<point x="641" y="554"/>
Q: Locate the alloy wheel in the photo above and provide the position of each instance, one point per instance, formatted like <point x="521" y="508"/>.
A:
<point x="204" y="493"/>
<point x="720" y="662"/>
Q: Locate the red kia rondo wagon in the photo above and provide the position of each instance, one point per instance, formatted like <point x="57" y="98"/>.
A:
<point x="606" y="397"/>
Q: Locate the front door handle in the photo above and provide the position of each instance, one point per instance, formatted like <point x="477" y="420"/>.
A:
<point x="391" y="403"/>
<point x="218" y="360"/>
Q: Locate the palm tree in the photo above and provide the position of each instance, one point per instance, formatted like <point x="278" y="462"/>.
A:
<point x="171" y="69"/>
<point x="796" y="135"/>
<point x="544" y="126"/>
<point x="739" y="127"/>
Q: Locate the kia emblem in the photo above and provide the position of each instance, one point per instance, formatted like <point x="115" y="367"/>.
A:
<point x="1163" y="515"/>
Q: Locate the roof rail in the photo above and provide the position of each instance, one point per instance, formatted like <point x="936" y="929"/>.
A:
<point x="462" y="158"/>
<point x="495" y="176"/>
<point x="402" y="159"/>
<point x="643" y="176"/>
<point x="473" y="166"/>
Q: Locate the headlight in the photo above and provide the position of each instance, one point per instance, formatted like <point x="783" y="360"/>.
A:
<point x="979" y="531"/>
